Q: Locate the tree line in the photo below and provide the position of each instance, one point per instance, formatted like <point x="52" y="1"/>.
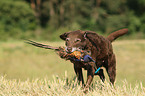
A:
<point x="46" y="19"/>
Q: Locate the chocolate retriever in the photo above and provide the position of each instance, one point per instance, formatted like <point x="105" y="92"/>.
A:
<point x="101" y="52"/>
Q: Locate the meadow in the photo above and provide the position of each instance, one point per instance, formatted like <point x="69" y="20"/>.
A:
<point x="27" y="70"/>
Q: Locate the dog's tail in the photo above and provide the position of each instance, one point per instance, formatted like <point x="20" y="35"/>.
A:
<point x="117" y="34"/>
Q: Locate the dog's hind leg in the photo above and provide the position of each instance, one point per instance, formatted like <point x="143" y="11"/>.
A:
<point x="111" y="69"/>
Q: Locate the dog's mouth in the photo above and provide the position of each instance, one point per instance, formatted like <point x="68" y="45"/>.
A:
<point x="76" y="49"/>
<point x="73" y="49"/>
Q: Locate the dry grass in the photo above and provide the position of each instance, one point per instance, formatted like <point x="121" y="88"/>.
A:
<point x="65" y="87"/>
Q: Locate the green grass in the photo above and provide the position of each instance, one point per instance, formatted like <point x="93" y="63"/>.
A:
<point x="20" y="62"/>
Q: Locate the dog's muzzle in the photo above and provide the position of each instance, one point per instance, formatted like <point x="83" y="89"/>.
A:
<point x="72" y="49"/>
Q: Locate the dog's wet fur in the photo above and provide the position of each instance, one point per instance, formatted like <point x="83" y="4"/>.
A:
<point x="101" y="52"/>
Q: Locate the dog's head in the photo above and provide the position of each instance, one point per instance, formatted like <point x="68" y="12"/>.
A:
<point x="76" y="40"/>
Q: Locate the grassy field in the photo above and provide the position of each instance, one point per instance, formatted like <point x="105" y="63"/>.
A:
<point x="65" y="87"/>
<point x="28" y="70"/>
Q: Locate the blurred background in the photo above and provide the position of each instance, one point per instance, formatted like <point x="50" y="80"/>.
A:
<point x="45" y="20"/>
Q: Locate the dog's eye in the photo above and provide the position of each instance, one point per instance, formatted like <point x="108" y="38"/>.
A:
<point x="77" y="40"/>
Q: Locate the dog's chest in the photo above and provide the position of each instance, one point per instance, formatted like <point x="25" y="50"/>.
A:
<point x="80" y="64"/>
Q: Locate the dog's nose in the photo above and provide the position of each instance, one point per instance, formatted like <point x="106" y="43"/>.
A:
<point x="69" y="49"/>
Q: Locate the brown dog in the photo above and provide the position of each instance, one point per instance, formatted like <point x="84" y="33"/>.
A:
<point x="101" y="52"/>
<point x="99" y="48"/>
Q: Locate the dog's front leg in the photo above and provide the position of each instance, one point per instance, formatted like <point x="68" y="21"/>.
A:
<point x="79" y="74"/>
<point x="90" y="75"/>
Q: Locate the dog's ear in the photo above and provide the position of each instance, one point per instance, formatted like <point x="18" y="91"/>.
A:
<point x="92" y="37"/>
<point x="64" y="35"/>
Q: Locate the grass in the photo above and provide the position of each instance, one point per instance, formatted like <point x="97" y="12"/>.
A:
<point x="22" y="64"/>
<point x="65" y="87"/>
